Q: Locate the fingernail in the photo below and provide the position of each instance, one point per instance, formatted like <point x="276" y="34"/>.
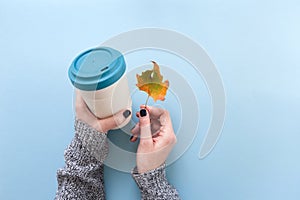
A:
<point x="131" y="138"/>
<point x="126" y="113"/>
<point x="143" y="112"/>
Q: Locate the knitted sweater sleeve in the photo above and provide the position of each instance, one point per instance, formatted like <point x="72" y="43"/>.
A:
<point x="154" y="185"/>
<point x="82" y="175"/>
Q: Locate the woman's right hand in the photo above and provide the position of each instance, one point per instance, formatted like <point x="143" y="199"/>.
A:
<point x="153" y="150"/>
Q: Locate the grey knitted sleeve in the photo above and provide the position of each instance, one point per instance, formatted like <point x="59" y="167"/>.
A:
<point x="154" y="185"/>
<point x="82" y="176"/>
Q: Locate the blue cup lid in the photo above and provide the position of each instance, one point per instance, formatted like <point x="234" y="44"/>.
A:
<point x="97" y="68"/>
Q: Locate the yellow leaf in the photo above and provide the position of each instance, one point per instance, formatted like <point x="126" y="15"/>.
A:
<point x="151" y="81"/>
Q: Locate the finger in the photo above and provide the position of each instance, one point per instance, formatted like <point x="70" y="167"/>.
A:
<point x="135" y="133"/>
<point x="165" y="119"/>
<point x="77" y="96"/>
<point x="137" y="114"/>
<point x="114" y="121"/>
<point x="136" y="129"/>
<point x="145" y="128"/>
<point x="82" y="110"/>
<point x="79" y="102"/>
<point x="133" y="138"/>
<point x="155" y="127"/>
<point x="166" y="127"/>
<point x="154" y="111"/>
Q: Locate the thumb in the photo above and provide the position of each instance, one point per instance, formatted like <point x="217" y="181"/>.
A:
<point x="114" y="121"/>
<point x="145" y="128"/>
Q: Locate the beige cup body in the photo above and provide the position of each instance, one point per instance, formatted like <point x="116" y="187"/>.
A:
<point x="108" y="101"/>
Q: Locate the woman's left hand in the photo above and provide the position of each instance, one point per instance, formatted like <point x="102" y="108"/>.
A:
<point x="102" y="125"/>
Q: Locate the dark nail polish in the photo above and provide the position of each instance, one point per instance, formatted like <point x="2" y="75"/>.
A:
<point x="131" y="138"/>
<point x="143" y="112"/>
<point x="126" y="113"/>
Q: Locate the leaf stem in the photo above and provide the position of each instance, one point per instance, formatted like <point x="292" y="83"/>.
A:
<point x="147" y="100"/>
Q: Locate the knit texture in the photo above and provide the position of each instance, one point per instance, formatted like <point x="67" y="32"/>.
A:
<point x="82" y="176"/>
<point x="154" y="184"/>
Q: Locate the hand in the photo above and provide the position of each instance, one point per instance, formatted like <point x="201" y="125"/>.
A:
<point x="102" y="125"/>
<point x="153" y="150"/>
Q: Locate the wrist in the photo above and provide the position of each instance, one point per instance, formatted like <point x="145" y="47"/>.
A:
<point x="142" y="170"/>
<point x="94" y="141"/>
<point x="145" y="179"/>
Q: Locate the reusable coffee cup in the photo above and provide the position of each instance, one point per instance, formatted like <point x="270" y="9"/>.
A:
<point x="99" y="75"/>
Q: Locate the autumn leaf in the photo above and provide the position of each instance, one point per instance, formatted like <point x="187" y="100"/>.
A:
<point x="151" y="81"/>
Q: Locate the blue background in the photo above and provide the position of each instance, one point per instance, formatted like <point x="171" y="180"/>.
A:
<point x="254" y="44"/>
